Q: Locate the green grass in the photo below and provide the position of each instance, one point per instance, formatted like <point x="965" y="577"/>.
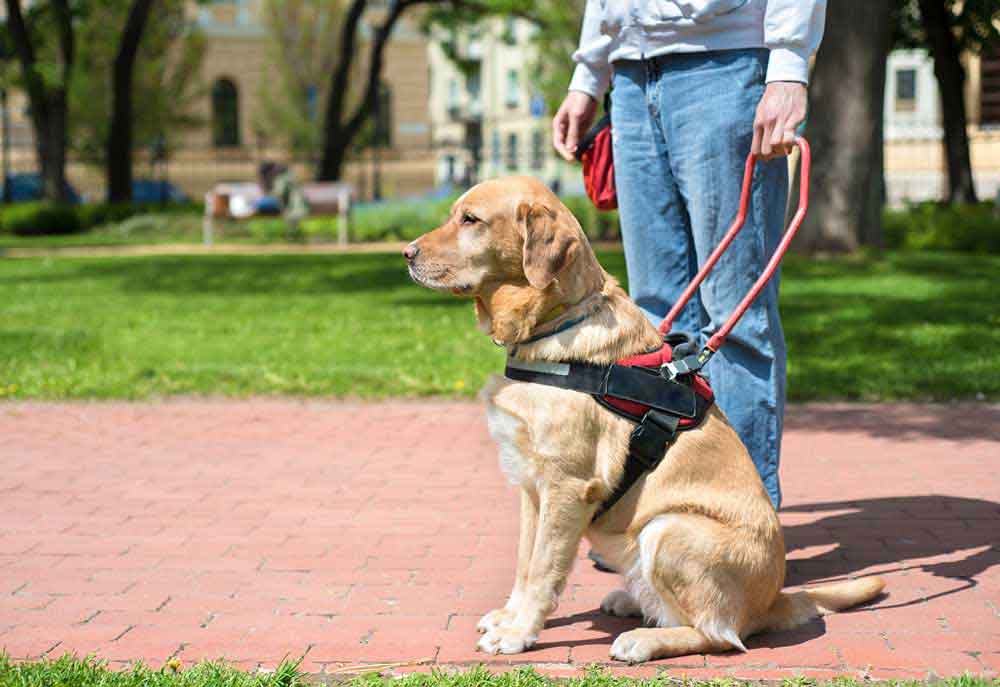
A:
<point x="902" y="326"/>
<point x="72" y="672"/>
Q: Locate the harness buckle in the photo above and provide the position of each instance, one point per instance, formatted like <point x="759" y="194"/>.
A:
<point x="686" y="365"/>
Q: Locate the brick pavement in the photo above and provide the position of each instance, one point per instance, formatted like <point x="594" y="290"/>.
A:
<point x="354" y="533"/>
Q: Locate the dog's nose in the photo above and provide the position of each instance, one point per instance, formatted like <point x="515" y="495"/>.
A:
<point x="411" y="251"/>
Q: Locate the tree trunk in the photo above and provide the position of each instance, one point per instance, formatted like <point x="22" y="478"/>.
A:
<point x="52" y="148"/>
<point x="47" y="104"/>
<point x="951" y="84"/>
<point x="119" y="145"/>
<point x="339" y="132"/>
<point x="331" y="164"/>
<point x="844" y="127"/>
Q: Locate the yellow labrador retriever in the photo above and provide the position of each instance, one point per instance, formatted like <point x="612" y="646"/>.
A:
<point x="697" y="540"/>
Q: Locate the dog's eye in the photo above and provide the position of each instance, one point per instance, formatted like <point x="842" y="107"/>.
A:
<point x="469" y="219"/>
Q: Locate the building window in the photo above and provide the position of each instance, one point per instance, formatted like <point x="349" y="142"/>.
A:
<point x="513" y="88"/>
<point x="906" y="90"/>
<point x="989" y="89"/>
<point x="509" y="35"/>
<point x="512" y="152"/>
<point x="472" y="86"/>
<point x="537" y="149"/>
<point x="496" y="153"/>
<point x="225" y="114"/>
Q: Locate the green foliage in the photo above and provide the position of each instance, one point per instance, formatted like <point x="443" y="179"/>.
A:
<point x="40" y="218"/>
<point x="166" y="82"/>
<point x="354" y="324"/>
<point x="975" y="24"/>
<point x="555" y="36"/>
<point x="44" y="218"/>
<point x="937" y="226"/>
<point x="599" y="225"/>
<point x="303" y="48"/>
<point x="398" y="220"/>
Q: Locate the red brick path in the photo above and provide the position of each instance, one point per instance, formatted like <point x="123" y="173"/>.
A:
<point x="355" y="533"/>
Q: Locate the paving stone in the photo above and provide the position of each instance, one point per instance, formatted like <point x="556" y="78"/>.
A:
<point x="246" y="530"/>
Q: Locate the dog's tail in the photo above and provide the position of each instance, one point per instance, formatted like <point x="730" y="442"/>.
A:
<point x="792" y="610"/>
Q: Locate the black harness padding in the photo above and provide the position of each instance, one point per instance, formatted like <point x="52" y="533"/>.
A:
<point x="647" y="445"/>
<point x="668" y="400"/>
<point x="637" y="384"/>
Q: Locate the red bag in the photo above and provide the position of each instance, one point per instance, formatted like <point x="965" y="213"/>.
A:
<point x="595" y="153"/>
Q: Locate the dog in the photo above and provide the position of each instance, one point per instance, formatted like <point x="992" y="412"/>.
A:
<point x="697" y="539"/>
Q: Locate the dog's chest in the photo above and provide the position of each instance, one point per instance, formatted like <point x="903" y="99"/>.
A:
<point x="513" y="437"/>
<point x="535" y="427"/>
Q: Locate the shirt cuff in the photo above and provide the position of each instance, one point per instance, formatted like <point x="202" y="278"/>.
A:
<point x="593" y="82"/>
<point x="786" y="64"/>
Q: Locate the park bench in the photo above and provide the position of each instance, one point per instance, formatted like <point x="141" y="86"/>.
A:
<point x="237" y="201"/>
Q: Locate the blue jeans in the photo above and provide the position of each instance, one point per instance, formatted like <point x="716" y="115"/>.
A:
<point x="682" y="127"/>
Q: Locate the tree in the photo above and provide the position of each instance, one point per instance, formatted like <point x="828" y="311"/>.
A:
<point x="46" y="83"/>
<point x="302" y="49"/>
<point x="844" y="126"/>
<point x="119" y="160"/>
<point x="949" y="28"/>
<point x="166" y="78"/>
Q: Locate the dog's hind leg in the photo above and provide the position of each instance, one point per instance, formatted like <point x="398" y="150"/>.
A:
<point x="690" y="578"/>
<point x="525" y="544"/>
<point x="620" y="603"/>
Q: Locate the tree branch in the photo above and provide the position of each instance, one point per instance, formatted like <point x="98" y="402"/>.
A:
<point x="67" y="46"/>
<point x="375" y="61"/>
<point x="338" y="85"/>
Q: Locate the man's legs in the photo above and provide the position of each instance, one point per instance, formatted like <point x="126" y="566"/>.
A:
<point x="659" y="250"/>
<point x="707" y="107"/>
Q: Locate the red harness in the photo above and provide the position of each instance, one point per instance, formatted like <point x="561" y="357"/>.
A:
<point x="655" y="361"/>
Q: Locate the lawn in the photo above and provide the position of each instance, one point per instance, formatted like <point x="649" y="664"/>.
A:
<point x="67" y="672"/>
<point x="899" y="326"/>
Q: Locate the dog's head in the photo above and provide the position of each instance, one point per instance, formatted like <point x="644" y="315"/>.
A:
<point x="504" y="230"/>
<point x="512" y="245"/>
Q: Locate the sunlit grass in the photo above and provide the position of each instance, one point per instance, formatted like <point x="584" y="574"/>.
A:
<point x="902" y="326"/>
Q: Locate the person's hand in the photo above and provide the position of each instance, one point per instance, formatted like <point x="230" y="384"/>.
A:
<point x="779" y="112"/>
<point x="572" y="121"/>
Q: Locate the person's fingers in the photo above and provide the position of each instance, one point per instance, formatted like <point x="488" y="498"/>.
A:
<point x="559" y="131"/>
<point x="758" y="134"/>
<point x="765" y="139"/>
<point x="777" y="137"/>
<point x="788" y="139"/>
<point x="572" y="137"/>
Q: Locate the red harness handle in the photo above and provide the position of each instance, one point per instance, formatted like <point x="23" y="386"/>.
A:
<point x="720" y="336"/>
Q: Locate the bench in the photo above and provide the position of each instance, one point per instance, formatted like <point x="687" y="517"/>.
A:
<point x="236" y="201"/>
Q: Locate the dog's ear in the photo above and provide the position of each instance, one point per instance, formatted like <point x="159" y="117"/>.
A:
<point x="550" y="243"/>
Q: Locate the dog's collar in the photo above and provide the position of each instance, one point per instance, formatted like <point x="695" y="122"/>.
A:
<point x="553" y="315"/>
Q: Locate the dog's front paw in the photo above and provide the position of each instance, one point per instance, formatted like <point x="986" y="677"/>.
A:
<point x="495" y="619"/>
<point x="620" y="603"/>
<point x="508" y="640"/>
<point x="633" y="647"/>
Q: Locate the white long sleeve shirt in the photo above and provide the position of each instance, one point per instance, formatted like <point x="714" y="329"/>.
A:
<point x="638" y="29"/>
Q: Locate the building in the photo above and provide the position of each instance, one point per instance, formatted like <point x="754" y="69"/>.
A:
<point x="487" y="119"/>
<point x="915" y="167"/>
<point x="230" y="146"/>
<point x="236" y="63"/>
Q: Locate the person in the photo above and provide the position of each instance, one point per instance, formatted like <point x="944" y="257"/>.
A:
<point x="696" y="85"/>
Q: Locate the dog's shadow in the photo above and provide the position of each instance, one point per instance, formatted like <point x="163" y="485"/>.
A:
<point x="869" y="537"/>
